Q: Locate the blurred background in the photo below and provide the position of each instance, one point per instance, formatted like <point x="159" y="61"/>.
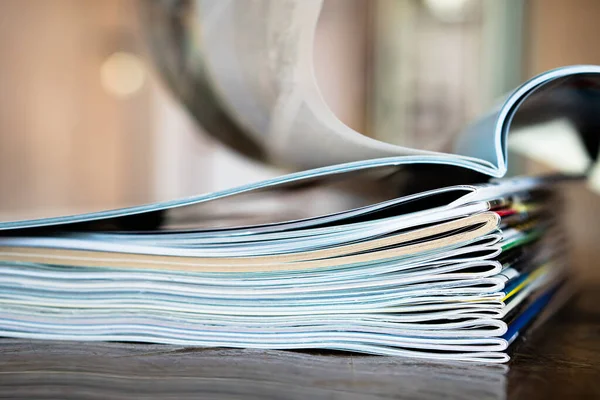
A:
<point x="87" y="123"/>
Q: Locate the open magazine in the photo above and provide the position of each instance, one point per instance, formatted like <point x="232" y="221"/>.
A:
<point x="419" y="254"/>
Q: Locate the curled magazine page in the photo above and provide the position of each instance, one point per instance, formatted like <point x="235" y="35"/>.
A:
<point x="569" y="95"/>
<point x="253" y="77"/>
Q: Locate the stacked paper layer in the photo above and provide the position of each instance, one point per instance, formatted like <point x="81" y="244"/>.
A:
<point x="458" y="281"/>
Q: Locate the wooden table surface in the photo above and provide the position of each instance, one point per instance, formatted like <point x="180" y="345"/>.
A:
<point x="561" y="360"/>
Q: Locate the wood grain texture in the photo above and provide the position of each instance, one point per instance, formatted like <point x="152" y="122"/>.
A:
<point x="560" y="361"/>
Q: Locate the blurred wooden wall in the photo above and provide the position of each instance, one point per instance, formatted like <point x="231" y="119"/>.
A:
<point x="65" y="141"/>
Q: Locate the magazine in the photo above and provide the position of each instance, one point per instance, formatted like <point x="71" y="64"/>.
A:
<point x="424" y="254"/>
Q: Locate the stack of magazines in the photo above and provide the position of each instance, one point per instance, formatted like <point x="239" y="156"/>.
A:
<point x="373" y="248"/>
<point x="452" y="274"/>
